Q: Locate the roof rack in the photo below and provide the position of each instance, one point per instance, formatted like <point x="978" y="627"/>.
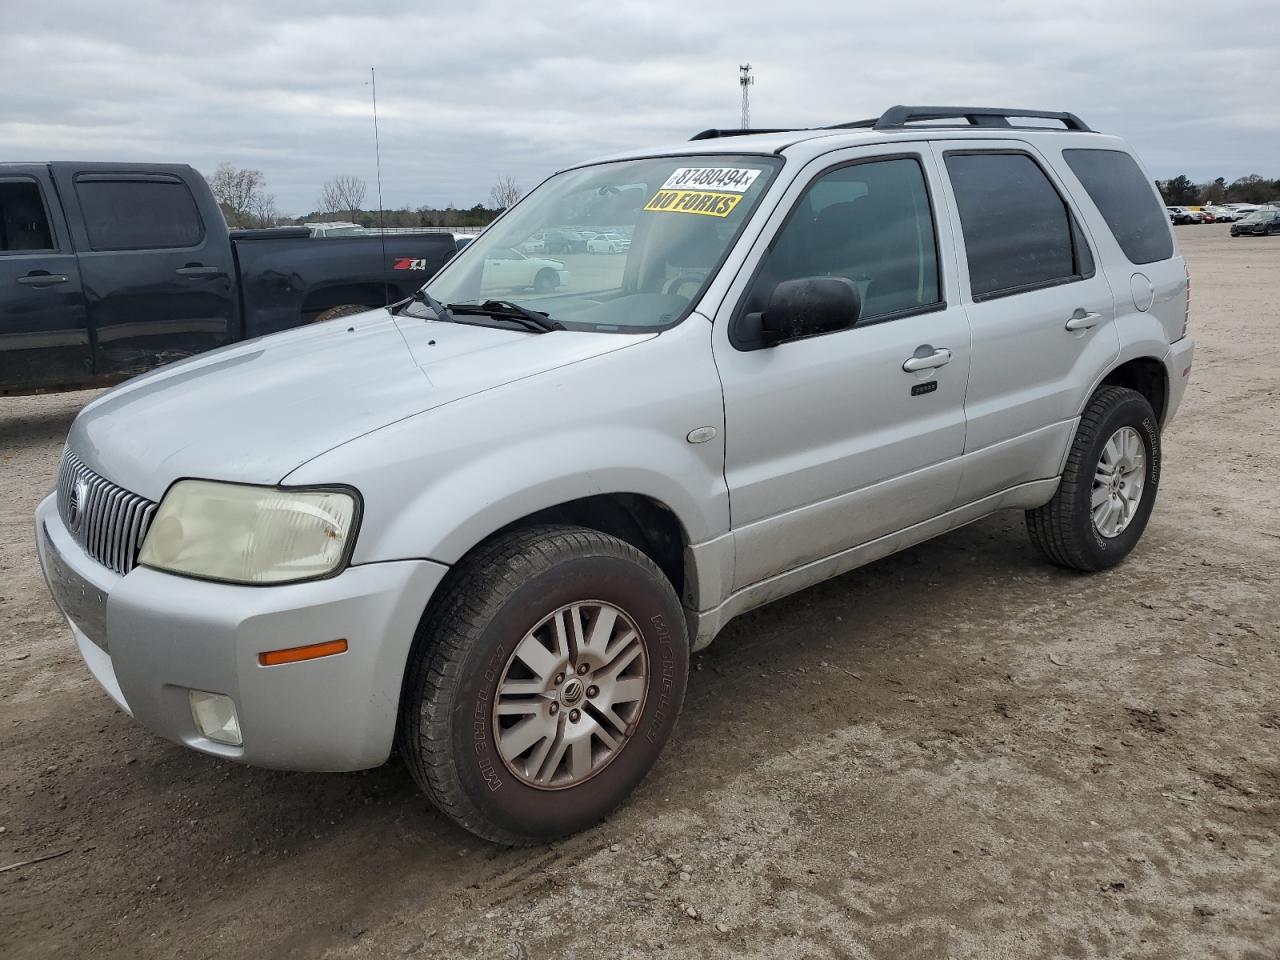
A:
<point x="897" y="118"/>
<point x="715" y="134"/>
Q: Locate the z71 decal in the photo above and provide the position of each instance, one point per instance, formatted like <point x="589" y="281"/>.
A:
<point x="410" y="263"/>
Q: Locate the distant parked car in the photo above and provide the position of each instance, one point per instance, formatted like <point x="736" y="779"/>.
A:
<point x="508" y="267"/>
<point x="1220" y="214"/>
<point x="1264" y="222"/>
<point x="608" y="243"/>
<point x="1178" y="215"/>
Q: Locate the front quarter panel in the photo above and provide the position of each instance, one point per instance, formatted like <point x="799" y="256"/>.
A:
<point x="436" y="484"/>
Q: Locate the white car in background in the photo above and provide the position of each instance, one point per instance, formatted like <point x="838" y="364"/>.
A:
<point x="608" y="243"/>
<point x="1221" y="214"/>
<point x="509" y="268"/>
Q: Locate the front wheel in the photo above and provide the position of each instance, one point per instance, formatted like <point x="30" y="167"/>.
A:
<point x="543" y="683"/>
<point x="1108" y="486"/>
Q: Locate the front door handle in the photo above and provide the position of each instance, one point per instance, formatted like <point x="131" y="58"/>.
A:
<point x="43" y="279"/>
<point x="1080" y="320"/>
<point x="926" y="358"/>
<point x="198" y="270"/>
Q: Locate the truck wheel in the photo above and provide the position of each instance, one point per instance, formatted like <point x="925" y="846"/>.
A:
<point x="346" y="310"/>
<point x="1108" y="486"/>
<point x="546" y="281"/>
<point x="543" y="683"/>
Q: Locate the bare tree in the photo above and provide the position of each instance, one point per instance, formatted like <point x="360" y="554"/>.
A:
<point x="241" y="194"/>
<point x="263" y="210"/>
<point x="343" y="194"/>
<point x="505" y="193"/>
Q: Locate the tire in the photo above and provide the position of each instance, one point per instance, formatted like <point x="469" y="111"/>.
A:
<point x="464" y="657"/>
<point x="345" y="310"/>
<point x="546" y="281"/>
<point x="1065" y="529"/>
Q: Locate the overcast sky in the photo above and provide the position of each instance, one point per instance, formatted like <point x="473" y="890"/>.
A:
<point x="473" y="90"/>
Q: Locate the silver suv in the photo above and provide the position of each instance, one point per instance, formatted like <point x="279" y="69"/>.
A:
<point x="487" y="526"/>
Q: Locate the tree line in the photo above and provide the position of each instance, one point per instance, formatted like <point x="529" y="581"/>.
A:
<point x="242" y="194"/>
<point x="1181" y="191"/>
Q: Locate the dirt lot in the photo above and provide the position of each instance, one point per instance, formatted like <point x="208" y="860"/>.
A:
<point x="957" y="752"/>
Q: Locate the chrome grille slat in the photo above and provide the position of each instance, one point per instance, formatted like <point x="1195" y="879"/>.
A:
<point x="111" y="522"/>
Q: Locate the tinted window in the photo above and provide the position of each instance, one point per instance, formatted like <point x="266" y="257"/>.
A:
<point x="24" y="225"/>
<point x="868" y="222"/>
<point x="1125" y="200"/>
<point x="138" y="214"/>
<point x="1018" y="232"/>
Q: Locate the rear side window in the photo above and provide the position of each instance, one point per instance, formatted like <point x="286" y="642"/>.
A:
<point x="24" y="225"/>
<point x="1124" y="198"/>
<point x="138" y="214"/>
<point x="1018" y="232"/>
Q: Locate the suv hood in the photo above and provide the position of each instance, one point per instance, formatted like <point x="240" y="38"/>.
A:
<point x="255" y="411"/>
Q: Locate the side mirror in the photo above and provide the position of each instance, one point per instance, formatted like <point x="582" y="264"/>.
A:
<point x="805" y="308"/>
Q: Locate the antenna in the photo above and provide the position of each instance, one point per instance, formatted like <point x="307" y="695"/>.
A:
<point x="746" y="80"/>
<point x="377" y="155"/>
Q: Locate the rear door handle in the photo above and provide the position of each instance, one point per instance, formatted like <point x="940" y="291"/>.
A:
<point x="43" y="279"/>
<point x="1080" y="320"/>
<point x="927" y="361"/>
<point x="197" y="270"/>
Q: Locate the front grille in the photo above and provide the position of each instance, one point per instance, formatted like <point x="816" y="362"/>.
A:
<point x="108" y="521"/>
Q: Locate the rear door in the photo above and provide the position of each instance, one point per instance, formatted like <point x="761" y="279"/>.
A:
<point x="1041" y="312"/>
<point x="44" y="337"/>
<point x="156" y="268"/>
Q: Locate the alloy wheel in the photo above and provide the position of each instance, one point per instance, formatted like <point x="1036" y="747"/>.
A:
<point x="570" y="695"/>
<point x="1118" y="482"/>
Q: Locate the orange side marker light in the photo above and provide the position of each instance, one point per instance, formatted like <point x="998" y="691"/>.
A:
<point x="311" y="651"/>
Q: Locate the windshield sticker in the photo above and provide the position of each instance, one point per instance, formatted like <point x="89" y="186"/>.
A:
<point x="732" y="179"/>
<point x="693" y="201"/>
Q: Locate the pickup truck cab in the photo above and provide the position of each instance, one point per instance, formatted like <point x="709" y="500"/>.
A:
<point x="491" y="526"/>
<point x="108" y="270"/>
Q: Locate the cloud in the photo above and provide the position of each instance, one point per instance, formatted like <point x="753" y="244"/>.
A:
<point x="473" y="91"/>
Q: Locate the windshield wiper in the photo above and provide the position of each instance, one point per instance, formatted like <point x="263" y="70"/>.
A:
<point x="506" y="310"/>
<point x="438" y="308"/>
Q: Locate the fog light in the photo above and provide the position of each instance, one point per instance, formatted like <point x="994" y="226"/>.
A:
<point x="215" y="717"/>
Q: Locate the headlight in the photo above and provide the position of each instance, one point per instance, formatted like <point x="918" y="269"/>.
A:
<point x="244" y="534"/>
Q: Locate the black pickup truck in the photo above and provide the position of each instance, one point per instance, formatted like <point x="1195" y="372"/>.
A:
<point x="110" y="269"/>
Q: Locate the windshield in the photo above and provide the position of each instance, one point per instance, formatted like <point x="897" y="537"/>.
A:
<point x="624" y="246"/>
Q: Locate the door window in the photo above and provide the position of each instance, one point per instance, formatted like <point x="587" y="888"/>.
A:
<point x="870" y="222"/>
<point x="1018" y="232"/>
<point x="24" y="224"/>
<point x="138" y="214"/>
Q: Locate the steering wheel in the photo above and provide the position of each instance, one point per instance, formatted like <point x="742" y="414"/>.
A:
<point x="680" y="281"/>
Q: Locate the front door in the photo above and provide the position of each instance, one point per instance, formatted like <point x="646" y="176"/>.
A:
<point x="838" y="439"/>
<point x="44" y="337"/>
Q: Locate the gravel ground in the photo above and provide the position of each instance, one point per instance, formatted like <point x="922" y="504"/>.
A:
<point x="957" y="752"/>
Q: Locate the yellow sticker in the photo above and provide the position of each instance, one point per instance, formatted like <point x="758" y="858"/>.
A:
<point x="693" y="201"/>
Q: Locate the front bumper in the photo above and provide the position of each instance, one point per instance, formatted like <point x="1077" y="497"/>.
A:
<point x="149" y="638"/>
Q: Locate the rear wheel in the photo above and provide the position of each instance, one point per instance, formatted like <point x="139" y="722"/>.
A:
<point x="1108" y="486"/>
<point x="546" y="281"/>
<point x="345" y="310"/>
<point x="544" y="683"/>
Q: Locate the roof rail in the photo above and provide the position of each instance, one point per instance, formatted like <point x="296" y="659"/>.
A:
<point x="715" y="134"/>
<point x="895" y="118"/>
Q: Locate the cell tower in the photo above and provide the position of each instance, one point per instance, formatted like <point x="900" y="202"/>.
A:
<point x="746" y="80"/>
